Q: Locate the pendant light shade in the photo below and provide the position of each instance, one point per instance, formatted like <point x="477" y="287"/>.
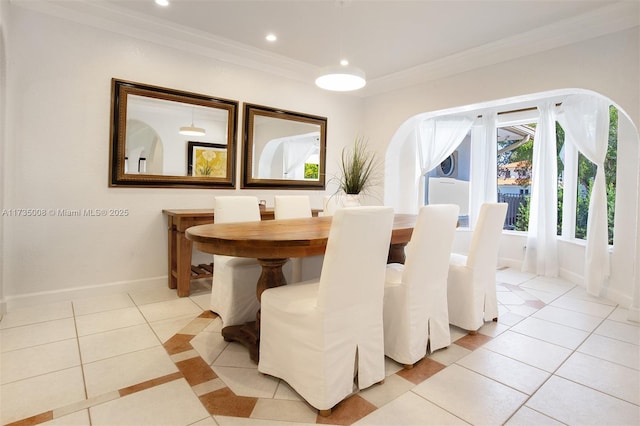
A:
<point x="341" y="78"/>
<point x="192" y="130"/>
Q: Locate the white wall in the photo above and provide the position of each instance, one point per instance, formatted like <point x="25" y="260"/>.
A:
<point x="608" y="65"/>
<point x="58" y="104"/>
<point x="3" y="157"/>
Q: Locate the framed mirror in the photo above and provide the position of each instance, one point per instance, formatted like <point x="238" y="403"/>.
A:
<point x="283" y="149"/>
<point x="169" y="138"/>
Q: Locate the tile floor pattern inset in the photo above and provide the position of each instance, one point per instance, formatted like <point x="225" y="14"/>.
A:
<point x="556" y="355"/>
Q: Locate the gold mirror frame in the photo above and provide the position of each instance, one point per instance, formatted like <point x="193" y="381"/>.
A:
<point x="282" y="125"/>
<point x="121" y="91"/>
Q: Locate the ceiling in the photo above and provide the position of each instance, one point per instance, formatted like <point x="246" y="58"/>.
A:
<point x="396" y="42"/>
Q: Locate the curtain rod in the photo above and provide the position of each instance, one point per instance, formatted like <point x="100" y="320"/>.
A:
<point x="520" y="110"/>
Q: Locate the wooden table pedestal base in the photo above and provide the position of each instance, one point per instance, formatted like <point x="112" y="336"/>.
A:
<point x="248" y="334"/>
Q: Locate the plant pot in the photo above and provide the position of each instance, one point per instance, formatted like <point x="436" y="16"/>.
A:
<point x="351" y="200"/>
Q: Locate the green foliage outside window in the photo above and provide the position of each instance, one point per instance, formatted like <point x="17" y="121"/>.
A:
<point x="311" y="171"/>
<point x="522" y="219"/>
<point x="586" y="176"/>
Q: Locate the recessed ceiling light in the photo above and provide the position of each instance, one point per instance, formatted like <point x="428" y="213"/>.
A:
<point x="271" y="37"/>
<point x="162" y="2"/>
<point x="344" y="62"/>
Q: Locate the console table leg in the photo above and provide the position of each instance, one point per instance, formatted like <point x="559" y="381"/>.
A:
<point x="172" y="250"/>
<point x="183" y="266"/>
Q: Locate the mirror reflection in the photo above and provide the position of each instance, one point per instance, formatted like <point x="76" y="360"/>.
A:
<point x="165" y="137"/>
<point x="283" y="149"/>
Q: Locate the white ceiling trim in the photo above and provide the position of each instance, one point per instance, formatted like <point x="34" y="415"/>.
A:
<point x="106" y="16"/>
<point x="97" y="13"/>
<point x="609" y="19"/>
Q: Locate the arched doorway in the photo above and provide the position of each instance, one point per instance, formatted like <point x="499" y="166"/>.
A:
<point x="404" y="187"/>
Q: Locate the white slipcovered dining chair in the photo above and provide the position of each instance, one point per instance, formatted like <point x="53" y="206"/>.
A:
<point x="317" y="335"/>
<point x="471" y="288"/>
<point x="291" y="206"/>
<point x="233" y="293"/>
<point x="415" y="294"/>
<point x="294" y="207"/>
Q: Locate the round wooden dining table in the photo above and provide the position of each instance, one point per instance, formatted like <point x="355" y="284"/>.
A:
<point x="272" y="243"/>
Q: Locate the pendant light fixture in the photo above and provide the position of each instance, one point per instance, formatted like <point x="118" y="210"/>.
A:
<point x="342" y="77"/>
<point x="192" y="130"/>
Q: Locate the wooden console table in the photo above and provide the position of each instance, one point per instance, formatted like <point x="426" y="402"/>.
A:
<point x="180" y="270"/>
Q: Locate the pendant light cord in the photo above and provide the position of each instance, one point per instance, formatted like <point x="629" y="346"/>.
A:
<point x="341" y="30"/>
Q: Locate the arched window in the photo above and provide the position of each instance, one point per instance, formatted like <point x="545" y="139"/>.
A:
<point x="585" y="115"/>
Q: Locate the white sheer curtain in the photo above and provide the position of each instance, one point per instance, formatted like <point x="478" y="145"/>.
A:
<point x="585" y="120"/>
<point x="484" y="157"/>
<point x="437" y="139"/>
<point x="541" y="254"/>
<point x="634" y="309"/>
<point x="569" y="156"/>
<point x="295" y="154"/>
<point x="401" y="168"/>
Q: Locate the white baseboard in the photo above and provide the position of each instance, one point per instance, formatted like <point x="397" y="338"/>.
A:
<point x="623" y="300"/>
<point x="571" y="276"/>
<point x="634" y="314"/>
<point x="613" y="295"/>
<point x="31" y="299"/>
<point x="505" y="262"/>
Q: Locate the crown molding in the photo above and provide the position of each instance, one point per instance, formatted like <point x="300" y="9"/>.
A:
<point x="108" y="16"/>
<point x="610" y="19"/>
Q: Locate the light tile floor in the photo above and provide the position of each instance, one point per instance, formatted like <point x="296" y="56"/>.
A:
<point x="556" y="356"/>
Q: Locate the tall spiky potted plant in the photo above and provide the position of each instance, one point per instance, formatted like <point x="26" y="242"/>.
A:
<point x="357" y="171"/>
